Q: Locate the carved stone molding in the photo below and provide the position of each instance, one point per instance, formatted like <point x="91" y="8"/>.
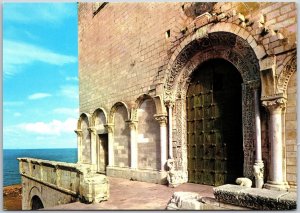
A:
<point x="275" y="105"/>
<point x="132" y="124"/>
<point x="162" y="119"/>
<point x="110" y="128"/>
<point x="285" y="75"/>
<point x="92" y="130"/>
<point x="78" y="132"/>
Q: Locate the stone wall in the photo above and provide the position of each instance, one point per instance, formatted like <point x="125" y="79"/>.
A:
<point x="291" y="132"/>
<point x="121" y="138"/>
<point x="55" y="183"/>
<point x="148" y="139"/>
<point x="126" y="50"/>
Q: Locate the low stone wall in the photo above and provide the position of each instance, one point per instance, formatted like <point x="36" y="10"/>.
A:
<point x="150" y="176"/>
<point x="254" y="198"/>
<point x="57" y="183"/>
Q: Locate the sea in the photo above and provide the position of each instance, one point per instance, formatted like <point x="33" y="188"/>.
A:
<point x="11" y="174"/>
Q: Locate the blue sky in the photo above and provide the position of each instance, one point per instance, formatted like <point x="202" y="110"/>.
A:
<point x="40" y="75"/>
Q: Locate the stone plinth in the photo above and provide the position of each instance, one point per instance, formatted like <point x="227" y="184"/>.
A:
<point x="94" y="188"/>
<point x="255" y="198"/>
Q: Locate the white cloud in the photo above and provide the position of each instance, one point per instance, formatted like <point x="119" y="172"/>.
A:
<point x="71" y="78"/>
<point x="17" y="114"/>
<point x="72" y="112"/>
<point x="55" y="127"/>
<point x="18" y="54"/>
<point x="36" y="96"/>
<point x="69" y="91"/>
<point x="38" y="13"/>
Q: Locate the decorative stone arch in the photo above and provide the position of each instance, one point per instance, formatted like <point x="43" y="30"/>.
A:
<point x="114" y="109"/>
<point x="284" y="77"/>
<point x="34" y="191"/>
<point x="95" y="113"/>
<point x="82" y="136"/>
<point x="81" y="117"/>
<point x="119" y="137"/>
<point x="215" y="41"/>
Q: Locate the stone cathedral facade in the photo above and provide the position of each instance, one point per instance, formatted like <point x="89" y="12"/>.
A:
<point x="209" y="88"/>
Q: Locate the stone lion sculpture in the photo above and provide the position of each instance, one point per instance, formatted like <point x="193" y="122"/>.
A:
<point x="242" y="181"/>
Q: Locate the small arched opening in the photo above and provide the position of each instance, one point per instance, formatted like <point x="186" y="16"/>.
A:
<point x="36" y="203"/>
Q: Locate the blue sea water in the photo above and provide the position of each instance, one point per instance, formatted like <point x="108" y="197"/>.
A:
<point x="11" y="165"/>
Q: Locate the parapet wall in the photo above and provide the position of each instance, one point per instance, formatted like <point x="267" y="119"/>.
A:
<point x="55" y="183"/>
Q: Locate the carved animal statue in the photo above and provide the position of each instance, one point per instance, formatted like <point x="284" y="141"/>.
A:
<point x="258" y="172"/>
<point x="242" y="181"/>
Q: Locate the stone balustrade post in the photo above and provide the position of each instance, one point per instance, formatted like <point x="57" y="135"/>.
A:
<point x="275" y="108"/>
<point x="162" y="119"/>
<point x="110" y="130"/>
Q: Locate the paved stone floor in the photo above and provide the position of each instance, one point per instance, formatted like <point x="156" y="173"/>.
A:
<point x="135" y="195"/>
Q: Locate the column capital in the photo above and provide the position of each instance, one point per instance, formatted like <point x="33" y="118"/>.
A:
<point x="109" y="127"/>
<point x="78" y="132"/>
<point x="161" y="118"/>
<point x="92" y="130"/>
<point x="170" y="103"/>
<point x="275" y="105"/>
<point x="132" y="124"/>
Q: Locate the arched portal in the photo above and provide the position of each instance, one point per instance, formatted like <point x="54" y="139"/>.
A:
<point x="214" y="124"/>
<point x="202" y="46"/>
<point x="36" y="203"/>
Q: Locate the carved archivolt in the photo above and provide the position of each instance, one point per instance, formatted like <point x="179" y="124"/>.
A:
<point x="214" y="45"/>
<point x="285" y="75"/>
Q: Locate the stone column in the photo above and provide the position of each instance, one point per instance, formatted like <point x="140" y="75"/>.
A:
<point x="94" y="136"/>
<point x="79" y="144"/>
<point x="162" y="119"/>
<point x="110" y="130"/>
<point x="275" y="108"/>
<point x="133" y="145"/>
<point x="170" y="106"/>
<point x="258" y="166"/>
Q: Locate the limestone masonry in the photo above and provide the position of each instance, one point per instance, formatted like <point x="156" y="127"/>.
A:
<point x="199" y="92"/>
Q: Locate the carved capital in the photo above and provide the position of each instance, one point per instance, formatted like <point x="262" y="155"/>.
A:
<point x="275" y="105"/>
<point x="170" y="103"/>
<point x="132" y="125"/>
<point x="78" y="132"/>
<point x="109" y="127"/>
<point x="92" y="130"/>
<point x="162" y="119"/>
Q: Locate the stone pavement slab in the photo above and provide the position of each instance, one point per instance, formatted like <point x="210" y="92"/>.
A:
<point x="135" y="195"/>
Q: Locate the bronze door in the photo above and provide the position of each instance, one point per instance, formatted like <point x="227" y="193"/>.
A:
<point x="214" y="126"/>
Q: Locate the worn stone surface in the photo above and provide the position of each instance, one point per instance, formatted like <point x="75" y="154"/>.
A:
<point x="255" y="198"/>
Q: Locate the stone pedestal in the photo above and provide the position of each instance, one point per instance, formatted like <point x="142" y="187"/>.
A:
<point x="94" y="188"/>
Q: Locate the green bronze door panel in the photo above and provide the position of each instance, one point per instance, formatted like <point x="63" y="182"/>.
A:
<point x="214" y="125"/>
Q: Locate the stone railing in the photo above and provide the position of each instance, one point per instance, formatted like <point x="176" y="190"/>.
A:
<point x="70" y="178"/>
